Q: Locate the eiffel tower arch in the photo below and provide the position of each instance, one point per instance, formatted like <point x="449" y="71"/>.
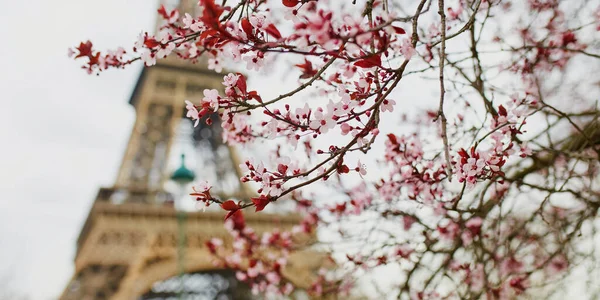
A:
<point x="134" y="243"/>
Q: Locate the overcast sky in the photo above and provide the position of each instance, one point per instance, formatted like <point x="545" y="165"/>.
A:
<point x="62" y="132"/>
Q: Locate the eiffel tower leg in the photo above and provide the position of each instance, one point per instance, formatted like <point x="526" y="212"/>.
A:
<point x="145" y="159"/>
<point x="95" y="282"/>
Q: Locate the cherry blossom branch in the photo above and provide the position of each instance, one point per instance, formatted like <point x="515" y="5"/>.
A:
<point x="440" y="113"/>
<point x="465" y="27"/>
<point x="507" y="130"/>
<point x="293" y="92"/>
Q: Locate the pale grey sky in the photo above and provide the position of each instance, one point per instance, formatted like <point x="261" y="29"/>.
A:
<point x="62" y="131"/>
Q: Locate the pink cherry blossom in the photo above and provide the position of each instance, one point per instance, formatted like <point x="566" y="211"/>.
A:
<point x="211" y="97"/>
<point x="361" y="169"/>
<point x="254" y="61"/>
<point x="407" y="49"/>
<point x="215" y="64"/>
<point x="322" y="121"/>
<point x="230" y="79"/>
<point x="482" y="175"/>
<point x="388" y="105"/>
<point x="148" y="58"/>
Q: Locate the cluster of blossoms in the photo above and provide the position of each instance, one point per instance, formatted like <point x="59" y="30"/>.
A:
<point x="259" y="260"/>
<point x="419" y="176"/>
<point x="203" y="196"/>
<point x="480" y="165"/>
<point x="271" y="182"/>
<point x="454" y="204"/>
<point x="96" y="60"/>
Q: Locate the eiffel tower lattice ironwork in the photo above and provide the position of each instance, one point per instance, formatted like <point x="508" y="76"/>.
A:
<point x="128" y="246"/>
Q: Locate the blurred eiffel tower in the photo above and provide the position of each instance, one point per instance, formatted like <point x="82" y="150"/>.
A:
<point x="135" y="244"/>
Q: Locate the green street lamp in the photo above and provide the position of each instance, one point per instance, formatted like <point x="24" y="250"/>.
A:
<point x="183" y="175"/>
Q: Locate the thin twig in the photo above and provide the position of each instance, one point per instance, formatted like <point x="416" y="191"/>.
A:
<point x="440" y="113"/>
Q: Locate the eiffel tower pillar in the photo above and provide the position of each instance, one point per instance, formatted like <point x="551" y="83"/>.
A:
<point x="131" y="237"/>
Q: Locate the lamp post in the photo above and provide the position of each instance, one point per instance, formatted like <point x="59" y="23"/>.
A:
<point x="182" y="176"/>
